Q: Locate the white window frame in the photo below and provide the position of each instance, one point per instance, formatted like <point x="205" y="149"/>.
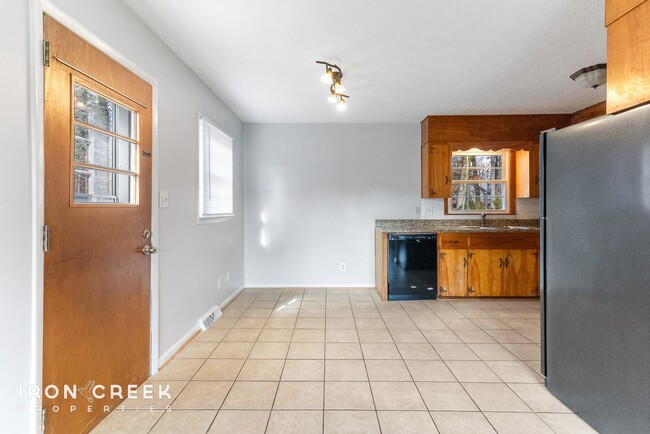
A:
<point x="509" y="183"/>
<point x="212" y="218"/>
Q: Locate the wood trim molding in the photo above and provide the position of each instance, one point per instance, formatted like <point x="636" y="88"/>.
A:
<point x="615" y="9"/>
<point x="587" y="113"/>
<point x="490" y="128"/>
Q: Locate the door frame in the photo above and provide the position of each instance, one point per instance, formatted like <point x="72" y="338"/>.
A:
<point x="37" y="146"/>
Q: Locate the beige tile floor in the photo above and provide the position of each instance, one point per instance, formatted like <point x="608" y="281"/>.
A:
<point x="341" y="361"/>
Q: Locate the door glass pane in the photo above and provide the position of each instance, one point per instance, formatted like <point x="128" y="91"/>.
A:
<point x="98" y="149"/>
<point x="98" y="111"/>
<point x="100" y="186"/>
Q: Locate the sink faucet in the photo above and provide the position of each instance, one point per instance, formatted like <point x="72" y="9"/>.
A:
<point x="483" y="219"/>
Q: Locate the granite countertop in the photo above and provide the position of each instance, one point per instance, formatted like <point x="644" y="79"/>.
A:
<point x="416" y="226"/>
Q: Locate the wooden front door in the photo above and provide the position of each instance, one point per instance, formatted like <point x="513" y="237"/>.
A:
<point x="96" y="328"/>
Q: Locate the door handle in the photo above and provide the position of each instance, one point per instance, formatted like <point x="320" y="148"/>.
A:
<point x="464" y="262"/>
<point x="446" y="180"/>
<point x="500" y="262"/>
<point x="149" y="250"/>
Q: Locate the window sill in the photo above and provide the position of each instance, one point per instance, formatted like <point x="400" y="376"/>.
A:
<point x="214" y="219"/>
<point x="479" y="213"/>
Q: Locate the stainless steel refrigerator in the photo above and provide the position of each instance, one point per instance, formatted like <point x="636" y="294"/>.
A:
<point x="595" y="203"/>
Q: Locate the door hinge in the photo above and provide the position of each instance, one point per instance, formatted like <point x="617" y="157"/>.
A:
<point x="46" y="238"/>
<point x="43" y="411"/>
<point x="46" y="53"/>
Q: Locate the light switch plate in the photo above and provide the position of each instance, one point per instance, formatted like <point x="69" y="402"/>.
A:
<point x="163" y="199"/>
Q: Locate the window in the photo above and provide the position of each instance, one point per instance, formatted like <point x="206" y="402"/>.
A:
<point x="479" y="182"/>
<point x="105" y="149"/>
<point x="215" y="172"/>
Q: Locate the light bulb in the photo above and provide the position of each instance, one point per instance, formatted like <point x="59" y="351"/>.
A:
<point x="338" y="87"/>
<point x="327" y="76"/>
<point x="341" y="104"/>
<point x="332" y="98"/>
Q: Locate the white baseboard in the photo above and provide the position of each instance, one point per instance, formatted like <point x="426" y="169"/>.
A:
<point x="182" y="341"/>
<point x="310" y="285"/>
<point x="231" y="298"/>
<point x="164" y="358"/>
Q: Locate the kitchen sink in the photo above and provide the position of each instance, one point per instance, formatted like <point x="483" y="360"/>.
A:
<point x="485" y="228"/>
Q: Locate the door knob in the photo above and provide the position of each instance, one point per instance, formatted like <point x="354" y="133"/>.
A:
<point x="149" y="250"/>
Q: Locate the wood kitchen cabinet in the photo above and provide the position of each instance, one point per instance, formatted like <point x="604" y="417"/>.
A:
<point x="527" y="177"/>
<point x="485" y="272"/>
<point x="628" y="53"/>
<point x="521" y="273"/>
<point x="452" y="264"/>
<point x="452" y="272"/>
<point x="436" y="170"/>
<point x="488" y="265"/>
<point x="442" y="135"/>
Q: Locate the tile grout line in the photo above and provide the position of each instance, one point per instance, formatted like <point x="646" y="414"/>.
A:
<point x="284" y="364"/>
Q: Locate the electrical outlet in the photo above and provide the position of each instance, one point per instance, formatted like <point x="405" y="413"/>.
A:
<point x="342" y="266"/>
<point x="163" y="197"/>
<point x="227" y="276"/>
<point x="219" y="283"/>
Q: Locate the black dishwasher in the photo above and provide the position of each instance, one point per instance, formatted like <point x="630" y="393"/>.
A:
<point x="412" y="267"/>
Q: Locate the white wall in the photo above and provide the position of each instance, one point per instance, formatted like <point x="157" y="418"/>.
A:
<point x="313" y="192"/>
<point x="192" y="256"/>
<point x="15" y="214"/>
<point x="435" y="209"/>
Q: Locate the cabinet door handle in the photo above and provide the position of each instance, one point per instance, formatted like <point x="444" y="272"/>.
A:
<point x="431" y="192"/>
<point x="464" y="262"/>
<point x="506" y="262"/>
<point x="500" y="262"/>
<point x="536" y="179"/>
<point x="446" y="179"/>
<point x="442" y="289"/>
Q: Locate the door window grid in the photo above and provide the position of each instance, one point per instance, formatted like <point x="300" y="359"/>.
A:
<point x="105" y="149"/>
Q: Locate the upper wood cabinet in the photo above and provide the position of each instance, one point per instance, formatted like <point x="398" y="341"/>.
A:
<point x="527" y="171"/>
<point x="442" y="135"/>
<point x="436" y="170"/>
<point x="628" y="53"/>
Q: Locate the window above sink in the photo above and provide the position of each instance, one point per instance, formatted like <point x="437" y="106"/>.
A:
<point x="481" y="182"/>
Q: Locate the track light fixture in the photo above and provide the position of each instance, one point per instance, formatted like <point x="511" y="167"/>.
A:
<point x="333" y="76"/>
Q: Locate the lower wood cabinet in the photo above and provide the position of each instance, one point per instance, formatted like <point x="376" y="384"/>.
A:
<point x="521" y="273"/>
<point x="487" y="271"/>
<point x="452" y="272"/>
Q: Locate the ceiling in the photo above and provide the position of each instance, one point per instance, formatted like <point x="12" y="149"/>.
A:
<point x="402" y="60"/>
